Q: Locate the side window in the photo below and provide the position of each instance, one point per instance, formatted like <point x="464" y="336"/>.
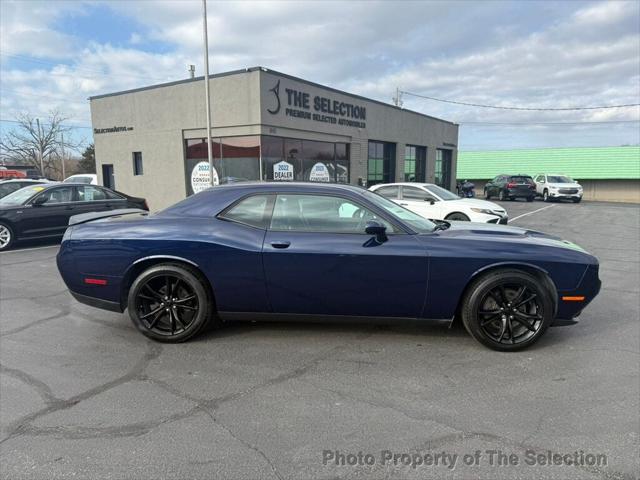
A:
<point x="58" y="195"/>
<point x="111" y="195"/>
<point x="89" y="193"/>
<point x="389" y="192"/>
<point x="321" y="213"/>
<point x="413" y="193"/>
<point x="253" y="211"/>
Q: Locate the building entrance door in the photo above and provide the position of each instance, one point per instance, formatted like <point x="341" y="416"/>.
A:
<point x="108" y="178"/>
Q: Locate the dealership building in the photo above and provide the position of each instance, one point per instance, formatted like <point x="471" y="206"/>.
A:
<point x="151" y="141"/>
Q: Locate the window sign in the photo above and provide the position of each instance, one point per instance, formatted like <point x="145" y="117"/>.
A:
<point x="319" y="173"/>
<point x="283" y="171"/>
<point x="201" y="178"/>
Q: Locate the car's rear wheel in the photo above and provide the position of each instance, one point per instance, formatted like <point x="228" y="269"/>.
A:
<point x="502" y="196"/>
<point x="6" y="237"/>
<point x="487" y="195"/>
<point x="530" y="199"/>
<point x="507" y="310"/>
<point x="461" y="217"/>
<point x="170" y="303"/>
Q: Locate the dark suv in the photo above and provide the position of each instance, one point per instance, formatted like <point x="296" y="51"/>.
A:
<point x="510" y="187"/>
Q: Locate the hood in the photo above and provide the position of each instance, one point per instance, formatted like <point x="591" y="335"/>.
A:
<point x="499" y="233"/>
<point x="477" y="203"/>
<point x="564" y="185"/>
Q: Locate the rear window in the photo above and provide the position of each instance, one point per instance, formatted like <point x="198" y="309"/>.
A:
<point x="521" y="179"/>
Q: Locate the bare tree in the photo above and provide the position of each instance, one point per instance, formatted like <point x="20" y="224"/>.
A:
<point x="38" y="144"/>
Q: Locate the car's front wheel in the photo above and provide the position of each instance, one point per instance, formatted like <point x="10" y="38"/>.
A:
<point x="577" y="199"/>
<point x="507" y="310"/>
<point x="487" y="195"/>
<point x="169" y="303"/>
<point x="6" y="237"/>
<point x="545" y="196"/>
<point x="461" y="217"/>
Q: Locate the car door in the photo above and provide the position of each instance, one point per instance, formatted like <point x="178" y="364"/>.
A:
<point x="50" y="218"/>
<point x="318" y="260"/>
<point x="96" y="199"/>
<point x="421" y="202"/>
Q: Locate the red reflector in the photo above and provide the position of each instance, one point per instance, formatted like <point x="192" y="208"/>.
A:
<point x="573" y="299"/>
<point x="511" y="185"/>
<point x="95" y="281"/>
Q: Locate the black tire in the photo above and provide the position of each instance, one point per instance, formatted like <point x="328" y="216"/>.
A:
<point x="501" y="196"/>
<point x="461" y="217"/>
<point x="7" y="237"/>
<point x="545" y="196"/>
<point x="577" y="200"/>
<point x="487" y="195"/>
<point x="495" y="322"/>
<point x="530" y="199"/>
<point x="170" y="318"/>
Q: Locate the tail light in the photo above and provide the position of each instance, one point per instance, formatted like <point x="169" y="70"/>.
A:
<point x="532" y="186"/>
<point x="146" y="205"/>
<point x="511" y="185"/>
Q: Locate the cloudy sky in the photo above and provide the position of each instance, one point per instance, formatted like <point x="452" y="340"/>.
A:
<point x="55" y="54"/>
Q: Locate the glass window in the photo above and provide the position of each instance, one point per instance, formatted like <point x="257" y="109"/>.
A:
<point x="252" y="211"/>
<point x="389" y="192"/>
<point x="58" y="195"/>
<point x="90" y="194"/>
<point x="443" y="193"/>
<point x="414" y="193"/>
<point x="7" y="188"/>
<point x="321" y="213"/>
<point x="415" y="221"/>
<point x="559" y="179"/>
<point x="409" y="163"/>
<point x="137" y="163"/>
<point x="20" y="196"/>
<point x="381" y="162"/>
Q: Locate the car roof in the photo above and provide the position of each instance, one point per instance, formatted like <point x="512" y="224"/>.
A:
<point x="270" y="186"/>
<point x="408" y="184"/>
<point x="28" y="180"/>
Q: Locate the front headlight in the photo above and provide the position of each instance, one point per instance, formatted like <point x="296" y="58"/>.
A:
<point x="486" y="211"/>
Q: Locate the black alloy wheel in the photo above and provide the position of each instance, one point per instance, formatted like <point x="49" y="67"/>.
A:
<point x="507" y="310"/>
<point x="169" y="303"/>
<point x="461" y="217"/>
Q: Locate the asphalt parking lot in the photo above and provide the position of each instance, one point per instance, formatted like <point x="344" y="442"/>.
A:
<point x="83" y="395"/>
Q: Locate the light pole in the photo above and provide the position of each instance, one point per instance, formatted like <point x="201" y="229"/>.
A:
<point x="206" y="88"/>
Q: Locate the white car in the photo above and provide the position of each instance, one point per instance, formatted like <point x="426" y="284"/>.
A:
<point x="551" y="187"/>
<point x="434" y="202"/>
<point x="88" y="178"/>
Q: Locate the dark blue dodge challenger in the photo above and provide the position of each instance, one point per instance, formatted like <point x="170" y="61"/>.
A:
<point x="281" y="251"/>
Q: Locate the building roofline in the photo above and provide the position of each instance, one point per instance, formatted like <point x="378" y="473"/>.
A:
<point x="266" y="70"/>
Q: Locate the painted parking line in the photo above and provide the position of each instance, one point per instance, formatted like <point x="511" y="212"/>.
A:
<point x="29" y="249"/>
<point x="530" y="213"/>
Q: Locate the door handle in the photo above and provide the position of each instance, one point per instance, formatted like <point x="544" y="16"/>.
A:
<point x="280" y="244"/>
<point x="68" y="208"/>
<point x="404" y="204"/>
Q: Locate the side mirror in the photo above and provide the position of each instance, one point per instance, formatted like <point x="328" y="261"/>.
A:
<point x="378" y="229"/>
<point x="430" y="200"/>
<point x="41" y="200"/>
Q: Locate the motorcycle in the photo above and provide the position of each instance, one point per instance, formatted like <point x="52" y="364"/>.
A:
<point x="466" y="189"/>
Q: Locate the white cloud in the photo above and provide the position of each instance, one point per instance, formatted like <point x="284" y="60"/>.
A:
<point x="546" y="54"/>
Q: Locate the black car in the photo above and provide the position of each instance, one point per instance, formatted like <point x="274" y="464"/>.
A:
<point x="42" y="211"/>
<point x="510" y="187"/>
<point x="10" y="186"/>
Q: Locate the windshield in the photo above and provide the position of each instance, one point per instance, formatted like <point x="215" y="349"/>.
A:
<point x="417" y="223"/>
<point x="79" y="179"/>
<point x="442" y="193"/>
<point x="20" y="196"/>
<point x="558" y="179"/>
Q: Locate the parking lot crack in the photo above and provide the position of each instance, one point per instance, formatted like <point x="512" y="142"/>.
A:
<point x="23" y="425"/>
<point x="13" y="331"/>
<point x="39" y="386"/>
